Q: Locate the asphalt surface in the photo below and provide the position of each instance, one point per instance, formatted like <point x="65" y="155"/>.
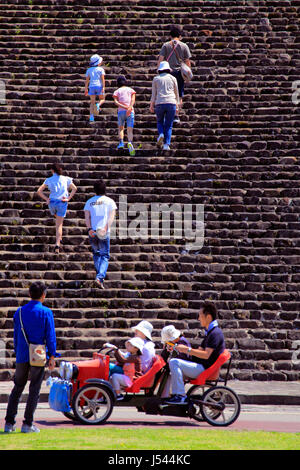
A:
<point x="252" y="418"/>
<point x="249" y="392"/>
<point x="267" y="406"/>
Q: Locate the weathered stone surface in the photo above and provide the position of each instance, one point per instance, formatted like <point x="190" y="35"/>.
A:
<point x="235" y="151"/>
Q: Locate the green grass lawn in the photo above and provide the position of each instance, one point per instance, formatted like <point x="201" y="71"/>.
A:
<point x="149" y="439"/>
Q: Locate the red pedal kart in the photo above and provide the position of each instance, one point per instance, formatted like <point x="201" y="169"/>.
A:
<point x="89" y="398"/>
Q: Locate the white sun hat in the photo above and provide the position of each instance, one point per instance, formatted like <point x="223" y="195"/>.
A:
<point x="95" y="60"/>
<point x="164" y="65"/>
<point x="144" y="327"/>
<point x="137" y="343"/>
<point x="169" y="333"/>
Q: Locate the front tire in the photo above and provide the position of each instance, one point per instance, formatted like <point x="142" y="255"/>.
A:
<point x="92" y="404"/>
<point x="70" y="415"/>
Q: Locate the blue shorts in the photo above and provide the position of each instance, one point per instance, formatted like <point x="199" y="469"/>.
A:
<point x="58" y="207"/>
<point x="95" y="90"/>
<point x="122" y="118"/>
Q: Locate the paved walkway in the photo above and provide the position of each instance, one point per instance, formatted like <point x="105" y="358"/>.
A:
<point x="249" y="392"/>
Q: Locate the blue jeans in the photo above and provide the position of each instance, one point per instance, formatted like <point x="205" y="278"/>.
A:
<point x="100" y="249"/>
<point x="165" y="116"/>
<point x="179" y="371"/>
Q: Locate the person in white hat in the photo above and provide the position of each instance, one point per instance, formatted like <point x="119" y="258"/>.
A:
<point x="164" y="102"/>
<point x="143" y="330"/>
<point x="171" y="337"/>
<point x="95" y="85"/>
<point x="132" y="357"/>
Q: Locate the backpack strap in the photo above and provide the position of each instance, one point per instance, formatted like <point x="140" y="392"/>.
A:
<point x="174" y="50"/>
<point x="22" y="327"/>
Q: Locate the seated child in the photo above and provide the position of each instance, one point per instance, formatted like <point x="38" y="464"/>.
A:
<point x="95" y="85"/>
<point x="128" y="366"/>
<point x="170" y="338"/>
<point x="124" y="98"/>
<point x="144" y="330"/>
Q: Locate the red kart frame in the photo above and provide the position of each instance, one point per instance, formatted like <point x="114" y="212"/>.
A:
<point x="92" y="397"/>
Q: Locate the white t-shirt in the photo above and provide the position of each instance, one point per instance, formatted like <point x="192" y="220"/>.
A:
<point x="100" y="208"/>
<point x="147" y="355"/>
<point x="58" y="186"/>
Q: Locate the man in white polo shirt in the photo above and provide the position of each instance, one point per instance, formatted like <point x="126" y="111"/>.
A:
<point x="99" y="212"/>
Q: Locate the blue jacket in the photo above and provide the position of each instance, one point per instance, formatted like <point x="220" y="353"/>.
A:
<point x="39" y="328"/>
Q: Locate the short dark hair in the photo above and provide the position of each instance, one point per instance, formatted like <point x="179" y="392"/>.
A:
<point x="121" y="80"/>
<point x="36" y="290"/>
<point x="209" y="309"/>
<point x="100" y="188"/>
<point x="57" y="168"/>
<point x="175" y="32"/>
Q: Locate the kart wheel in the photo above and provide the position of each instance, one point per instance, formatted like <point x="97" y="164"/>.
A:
<point x="92" y="404"/>
<point x="69" y="415"/>
<point x="222" y="406"/>
<point x="195" y="393"/>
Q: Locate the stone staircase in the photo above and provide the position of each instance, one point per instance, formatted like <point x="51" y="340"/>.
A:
<point x="235" y="152"/>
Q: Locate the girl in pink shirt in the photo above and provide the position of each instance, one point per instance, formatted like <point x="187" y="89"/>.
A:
<point x="124" y="98"/>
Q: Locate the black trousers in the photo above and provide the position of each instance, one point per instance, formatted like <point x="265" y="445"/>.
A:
<point x="22" y="373"/>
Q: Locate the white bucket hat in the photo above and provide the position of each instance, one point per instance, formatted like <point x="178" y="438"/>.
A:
<point x="144" y="327"/>
<point x="169" y="333"/>
<point x="136" y="342"/>
<point x="164" y="65"/>
<point x="95" y="60"/>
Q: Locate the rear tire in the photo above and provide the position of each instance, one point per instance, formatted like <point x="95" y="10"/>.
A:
<point x="229" y="402"/>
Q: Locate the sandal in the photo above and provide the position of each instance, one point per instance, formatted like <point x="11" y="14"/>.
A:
<point x="56" y="249"/>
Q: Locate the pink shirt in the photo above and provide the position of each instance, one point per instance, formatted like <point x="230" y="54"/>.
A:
<point x="123" y="95"/>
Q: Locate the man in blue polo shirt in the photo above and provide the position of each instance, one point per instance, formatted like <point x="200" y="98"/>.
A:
<point x="38" y="323"/>
<point x="201" y="358"/>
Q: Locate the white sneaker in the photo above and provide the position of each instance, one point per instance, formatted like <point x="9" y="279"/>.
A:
<point x="131" y="149"/>
<point x="9" y="428"/>
<point x="166" y="147"/>
<point x="160" y="140"/>
<point x="27" y="429"/>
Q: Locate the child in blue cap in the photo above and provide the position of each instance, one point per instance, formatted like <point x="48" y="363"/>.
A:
<point x="95" y="84"/>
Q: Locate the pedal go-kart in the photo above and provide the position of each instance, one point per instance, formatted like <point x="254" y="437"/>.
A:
<point x="84" y="393"/>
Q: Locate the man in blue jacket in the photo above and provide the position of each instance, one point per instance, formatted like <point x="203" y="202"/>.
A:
<point x="38" y="323"/>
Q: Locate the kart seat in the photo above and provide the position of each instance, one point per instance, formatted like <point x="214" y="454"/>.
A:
<point x="146" y="380"/>
<point x="212" y="373"/>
